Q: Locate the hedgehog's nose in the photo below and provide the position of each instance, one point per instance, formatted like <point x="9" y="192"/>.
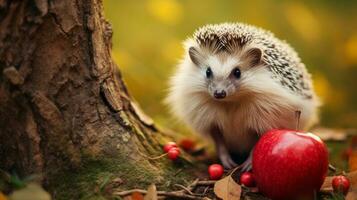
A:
<point x="219" y="94"/>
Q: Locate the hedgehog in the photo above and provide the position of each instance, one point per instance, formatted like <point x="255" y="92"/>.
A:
<point x="237" y="81"/>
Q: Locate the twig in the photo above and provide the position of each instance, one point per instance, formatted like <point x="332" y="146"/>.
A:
<point x="197" y="182"/>
<point x="152" y="158"/>
<point x="205" y="191"/>
<point x="184" y="188"/>
<point x="178" y="171"/>
<point x="159" y="193"/>
<point x="234" y="170"/>
<point x="192" y="186"/>
<point x="178" y="194"/>
<point x="206" y="183"/>
<point x="189" y="189"/>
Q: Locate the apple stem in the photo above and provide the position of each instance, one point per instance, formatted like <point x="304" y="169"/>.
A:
<point x="297" y="117"/>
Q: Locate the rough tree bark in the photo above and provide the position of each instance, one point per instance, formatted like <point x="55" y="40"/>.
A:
<point x="65" y="112"/>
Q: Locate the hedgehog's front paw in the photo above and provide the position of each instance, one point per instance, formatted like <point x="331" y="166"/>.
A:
<point x="247" y="165"/>
<point x="227" y="161"/>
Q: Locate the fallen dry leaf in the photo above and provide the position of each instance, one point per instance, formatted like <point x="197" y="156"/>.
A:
<point x="352" y="176"/>
<point x="351" y="195"/>
<point x="327" y="185"/>
<point x="151" y="193"/>
<point x="30" y="192"/>
<point x="353" y="160"/>
<point x="137" y="196"/>
<point x="2" y="196"/>
<point x="227" y="189"/>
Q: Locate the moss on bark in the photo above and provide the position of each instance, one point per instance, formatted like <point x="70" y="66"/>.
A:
<point x="94" y="179"/>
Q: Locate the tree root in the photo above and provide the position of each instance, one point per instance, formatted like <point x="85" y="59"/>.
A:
<point x="184" y="193"/>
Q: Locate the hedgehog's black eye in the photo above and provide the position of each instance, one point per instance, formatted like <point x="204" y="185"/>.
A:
<point x="209" y="72"/>
<point x="236" y="72"/>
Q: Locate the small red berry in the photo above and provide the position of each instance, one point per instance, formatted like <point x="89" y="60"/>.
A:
<point x="173" y="153"/>
<point x="341" y="184"/>
<point x="247" y="179"/>
<point x="187" y="144"/>
<point x="215" y="171"/>
<point x="169" y="145"/>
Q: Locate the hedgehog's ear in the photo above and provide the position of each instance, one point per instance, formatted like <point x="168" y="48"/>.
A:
<point x="195" y="56"/>
<point x="253" y="56"/>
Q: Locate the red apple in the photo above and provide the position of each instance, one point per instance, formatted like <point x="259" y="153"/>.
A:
<point x="288" y="164"/>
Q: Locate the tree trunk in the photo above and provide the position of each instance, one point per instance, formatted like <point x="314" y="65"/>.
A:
<point x="65" y="112"/>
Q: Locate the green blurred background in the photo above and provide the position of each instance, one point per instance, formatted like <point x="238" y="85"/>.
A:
<point x="148" y="35"/>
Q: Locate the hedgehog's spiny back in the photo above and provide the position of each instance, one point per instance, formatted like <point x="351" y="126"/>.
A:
<point x="227" y="34"/>
<point x="279" y="57"/>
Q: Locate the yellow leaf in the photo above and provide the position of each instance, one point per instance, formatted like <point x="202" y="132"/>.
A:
<point x="227" y="189"/>
<point x="152" y="193"/>
<point x="30" y="192"/>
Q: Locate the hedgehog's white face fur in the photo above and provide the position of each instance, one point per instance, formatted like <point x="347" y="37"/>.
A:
<point x="223" y="75"/>
<point x="255" y="100"/>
